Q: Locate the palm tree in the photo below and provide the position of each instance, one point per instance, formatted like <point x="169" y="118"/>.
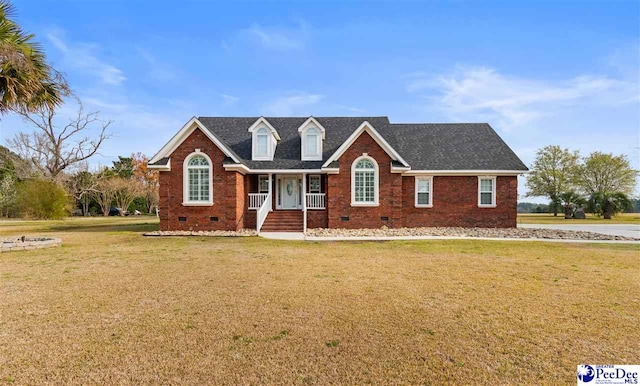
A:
<point x="570" y="200"/>
<point x="608" y="204"/>
<point x="26" y="80"/>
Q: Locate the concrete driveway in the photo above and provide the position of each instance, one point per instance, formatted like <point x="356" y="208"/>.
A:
<point x="627" y="230"/>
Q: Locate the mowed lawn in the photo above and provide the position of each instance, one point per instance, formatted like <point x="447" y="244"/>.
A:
<point x="549" y="218"/>
<point x="114" y="307"/>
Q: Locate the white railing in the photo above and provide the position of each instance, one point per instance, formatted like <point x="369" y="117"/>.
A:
<point x="257" y="199"/>
<point x="262" y="213"/>
<point x="315" y="200"/>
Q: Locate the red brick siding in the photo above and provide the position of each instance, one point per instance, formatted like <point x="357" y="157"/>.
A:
<point x="339" y="190"/>
<point x="455" y="199"/>
<point x="455" y="203"/>
<point x="317" y="219"/>
<point x="228" y="192"/>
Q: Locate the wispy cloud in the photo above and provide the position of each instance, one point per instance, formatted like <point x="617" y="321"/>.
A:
<point x="272" y="38"/>
<point x="484" y="94"/>
<point x="157" y="70"/>
<point x="84" y="57"/>
<point x="229" y="100"/>
<point x="291" y="104"/>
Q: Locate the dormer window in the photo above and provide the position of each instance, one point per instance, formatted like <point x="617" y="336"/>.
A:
<point x="262" y="143"/>
<point x="312" y="145"/>
<point x="264" y="139"/>
<point x="311" y="136"/>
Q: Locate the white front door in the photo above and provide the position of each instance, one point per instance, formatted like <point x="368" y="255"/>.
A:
<point x="289" y="192"/>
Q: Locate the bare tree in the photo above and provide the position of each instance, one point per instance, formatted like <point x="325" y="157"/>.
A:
<point x="83" y="185"/>
<point x="128" y="190"/>
<point x="105" y="193"/>
<point x="52" y="148"/>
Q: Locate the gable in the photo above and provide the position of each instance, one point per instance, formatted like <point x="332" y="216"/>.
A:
<point x="366" y="127"/>
<point x="156" y="162"/>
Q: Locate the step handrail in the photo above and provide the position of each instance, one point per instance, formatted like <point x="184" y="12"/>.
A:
<point x="262" y="213"/>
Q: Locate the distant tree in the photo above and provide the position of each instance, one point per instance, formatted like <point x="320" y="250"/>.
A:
<point x="27" y="82"/>
<point x="553" y="172"/>
<point x="126" y="191"/>
<point x="8" y="194"/>
<point x="148" y="179"/>
<point x="608" y="204"/>
<point x="607" y="174"/>
<point x="82" y="186"/>
<point x="42" y="199"/>
<point x="123" y="167"/>
<point x="105" y="193"/>
<point x="53" y="148"/>
<point x="570" y="200"/>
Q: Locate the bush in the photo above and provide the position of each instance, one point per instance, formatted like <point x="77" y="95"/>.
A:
<point x="42" y="199"/>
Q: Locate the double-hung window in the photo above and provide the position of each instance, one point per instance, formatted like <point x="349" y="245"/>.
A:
<point x="314" y="184"/>
<point x="262" y="143"/>
<point x="487" y="192"/>
<point x="424" y="195"/>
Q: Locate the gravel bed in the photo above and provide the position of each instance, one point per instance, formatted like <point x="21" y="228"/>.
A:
<point x="242" y="233"/>
<point x="520" y="233"/>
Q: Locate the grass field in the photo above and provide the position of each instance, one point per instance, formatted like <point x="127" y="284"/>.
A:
<point x="548" y="218"/>
<point x="113" y="307"/>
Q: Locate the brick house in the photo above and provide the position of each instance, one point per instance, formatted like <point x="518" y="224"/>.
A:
<point x="290" y="174"/>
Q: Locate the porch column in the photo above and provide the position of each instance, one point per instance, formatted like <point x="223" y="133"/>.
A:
<point x="270" y="194"/>
<point x="304" y="203"/>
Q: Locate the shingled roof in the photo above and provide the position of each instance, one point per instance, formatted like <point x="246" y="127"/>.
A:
<point x="437" y="146"/>
<point x="430" y="146"/>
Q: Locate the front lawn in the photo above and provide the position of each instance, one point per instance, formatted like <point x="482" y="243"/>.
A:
<point x="113" y="307"/>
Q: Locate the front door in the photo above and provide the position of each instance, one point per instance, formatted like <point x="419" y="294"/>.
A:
<point x="289" y="192"/>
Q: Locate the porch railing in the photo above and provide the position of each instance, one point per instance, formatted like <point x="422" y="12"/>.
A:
<point x="257" y="199"/>
<point x="316" y="200"/>
<point x="263" y="211"/>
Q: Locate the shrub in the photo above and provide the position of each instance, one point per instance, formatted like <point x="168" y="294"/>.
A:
<point x="42" y="199"/>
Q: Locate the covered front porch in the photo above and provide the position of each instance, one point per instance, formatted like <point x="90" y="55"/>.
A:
<point x="287" y="191"/>
<point x="283" y="191"/>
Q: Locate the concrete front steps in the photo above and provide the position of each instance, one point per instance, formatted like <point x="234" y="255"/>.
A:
<point x="283" y="221"/>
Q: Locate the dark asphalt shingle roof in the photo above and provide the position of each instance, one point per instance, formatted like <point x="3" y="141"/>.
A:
<point x="466" y="146"/>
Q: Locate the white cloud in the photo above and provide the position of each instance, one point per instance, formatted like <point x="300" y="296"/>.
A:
<point x="294" y="103"/>
<point x="229" y="100"/>
<point x="84" y="57"/>
<point x="484" y="94"/>
<point x="271" y="38"/>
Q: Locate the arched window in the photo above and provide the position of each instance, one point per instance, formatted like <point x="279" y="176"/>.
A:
<point x="262" y="143"/>
<point x="197" y="180"/>
<point x="312" y="142"/>
<point x="364" y="181"/>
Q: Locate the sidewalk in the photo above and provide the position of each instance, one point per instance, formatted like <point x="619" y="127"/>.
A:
<point x="301" y="237"/>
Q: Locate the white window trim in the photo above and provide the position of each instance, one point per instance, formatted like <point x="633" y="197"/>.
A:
<point x="185" y="181"/>
<point x="376" y="184"/>
<point x="270" y="145"/>
<point x="493" y="192"/>
<point x="422" y="178"/>
<point x="315" y="176"/>
<point x="319" y="135"/>
<point x="263" y="177"/>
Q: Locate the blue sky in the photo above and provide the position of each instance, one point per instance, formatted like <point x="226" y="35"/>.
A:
<point x="539" y="72"/>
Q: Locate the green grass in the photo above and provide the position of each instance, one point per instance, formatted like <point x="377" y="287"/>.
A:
<point x="548" y="218"/>
<point x="113" y="307"/>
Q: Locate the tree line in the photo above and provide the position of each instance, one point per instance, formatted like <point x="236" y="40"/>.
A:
<point x="44" y="173"/>
<point x="601" y="182"/>
<point x="127" y="185"/>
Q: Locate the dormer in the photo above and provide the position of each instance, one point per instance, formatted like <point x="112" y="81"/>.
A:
<point x="264" y="139"/>
<point x="311" y="140"/>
